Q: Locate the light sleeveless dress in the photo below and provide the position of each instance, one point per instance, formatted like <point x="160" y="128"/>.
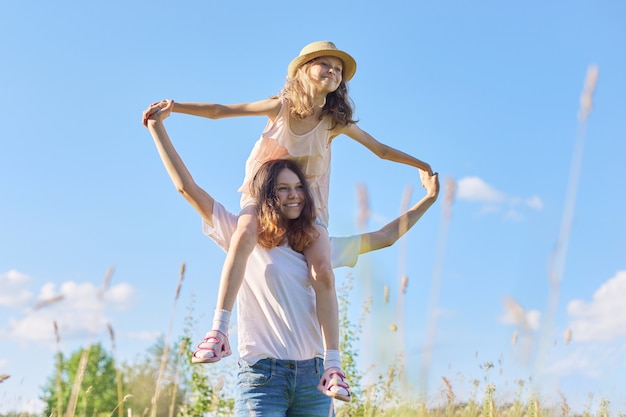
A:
<point x="311" y="151"/>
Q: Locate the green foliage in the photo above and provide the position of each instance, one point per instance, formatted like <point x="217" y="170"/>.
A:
<point x="203" y="396"/>
<point x="348" y="338"/>
<point x="97" y="393"/>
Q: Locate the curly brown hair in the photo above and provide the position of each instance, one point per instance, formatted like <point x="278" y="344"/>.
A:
<point x="274" y="229"/>
<point x="299" y="91"/>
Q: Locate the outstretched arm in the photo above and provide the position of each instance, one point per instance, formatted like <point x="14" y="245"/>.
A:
<point x="380" y="149"/>
<point x="391" y="232"/>
<point x="178" y="172"/>
<point x="268" y="107"/>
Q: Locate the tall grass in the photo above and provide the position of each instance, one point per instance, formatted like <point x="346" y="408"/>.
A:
<point x="559" y="255"/>
<point x="382" y="398"/>
<point x="164" y="356"/>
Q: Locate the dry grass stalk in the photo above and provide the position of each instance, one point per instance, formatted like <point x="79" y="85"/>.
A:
<point x="181" y="356"/>
<point x="449" y="392"/>
<point x="568" y="336"/>
<point x="59" y="370"/>
<point x="403" y="226"/>
<point x="449" y="196"/>
<point x="533" y="408"/>
<point x="164" y="355"/>
<point x="492" y="408"/>
<point x="435" y="286"/>
<point x="4" y="377"/>
<point x="404" y="206"/>
<point x="106" y="283"/>
<point x="48" y="301"/>
<point x="363" y="207"/>
<point x="586" y="97"/>
<point x="516" y="312"/>
<point x="180" y="281"/>
<point x="519" y="316"/>
<point x="559" y="255"/>
<point x="404" y="283"/>
<point x="82" y="365"/>
<point x="118" y="375"/>
<point x="565" y="409"/>
<point x="118" y="405"/>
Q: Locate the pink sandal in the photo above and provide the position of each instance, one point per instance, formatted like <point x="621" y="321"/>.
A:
<point x="214" y="347"/>
<point x="333" y="384"/>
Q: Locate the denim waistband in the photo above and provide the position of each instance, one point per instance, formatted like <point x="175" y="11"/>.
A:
<point x="308" y="365"/>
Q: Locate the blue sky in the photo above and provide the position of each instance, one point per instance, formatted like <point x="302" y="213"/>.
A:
<point x="487" y="92"/>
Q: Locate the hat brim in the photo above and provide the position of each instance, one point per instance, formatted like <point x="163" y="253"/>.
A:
<point x="349" y="64"/>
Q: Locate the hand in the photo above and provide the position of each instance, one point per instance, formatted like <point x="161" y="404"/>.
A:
<point x="430" y="183"/>
<point x="424" y="176"/>
<point x="159" y="110"/>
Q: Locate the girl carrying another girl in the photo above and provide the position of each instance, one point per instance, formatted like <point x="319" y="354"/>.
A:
<point x="311" y="110"/>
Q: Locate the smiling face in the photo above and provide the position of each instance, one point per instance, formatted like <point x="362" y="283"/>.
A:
<point x="290" y="192"/>
<point x="326" y="73"/>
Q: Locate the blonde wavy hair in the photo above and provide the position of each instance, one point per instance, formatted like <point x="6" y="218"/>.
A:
<point x="299" y="91"/>
<point x="274" y="228"/>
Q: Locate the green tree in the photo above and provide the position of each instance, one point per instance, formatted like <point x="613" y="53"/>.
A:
<point x="96" y="394"/>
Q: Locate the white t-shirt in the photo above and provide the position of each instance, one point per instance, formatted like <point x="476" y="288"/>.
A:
<point x="276" y="302"/>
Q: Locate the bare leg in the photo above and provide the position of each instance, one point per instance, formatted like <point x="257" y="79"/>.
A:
<point x="215" y="344"/>
<point x="317" y="254"/>
<point x="241" y="245"/>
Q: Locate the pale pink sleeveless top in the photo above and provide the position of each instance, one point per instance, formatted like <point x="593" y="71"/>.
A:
<point x="310" y="151"/>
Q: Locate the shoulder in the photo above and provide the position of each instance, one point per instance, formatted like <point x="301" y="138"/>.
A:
<point x="221" y="226"/>
<point x="269" y="106"/>
<point x="351" y="130"/>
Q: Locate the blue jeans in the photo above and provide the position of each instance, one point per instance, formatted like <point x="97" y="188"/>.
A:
<point x="281" y="388"/>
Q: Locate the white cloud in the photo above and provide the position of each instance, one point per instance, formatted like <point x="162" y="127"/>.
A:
<point x="534" y="202"/>
<point x="593" y="360"/>
<point x="34" y="406"/>
<point x="120" y="296"/>
<point x="513" y="215"/>
<point x="475" y="189"/>
<point x="15" y="292"/>
<point x="578" y="361"/>
<point x="604" y="317"/>
<point x="77" y="309"/>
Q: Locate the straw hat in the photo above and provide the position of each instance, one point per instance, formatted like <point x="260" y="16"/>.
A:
<point x="323" y="48"/>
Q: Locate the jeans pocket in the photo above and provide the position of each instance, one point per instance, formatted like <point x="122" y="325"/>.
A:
<point x="255" y="375"/>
